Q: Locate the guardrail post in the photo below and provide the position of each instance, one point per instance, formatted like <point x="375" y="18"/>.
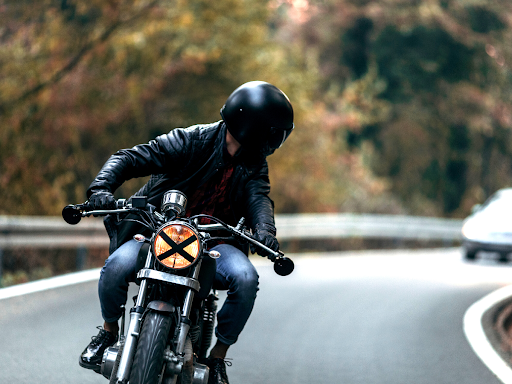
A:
<point x="81" y="258"/>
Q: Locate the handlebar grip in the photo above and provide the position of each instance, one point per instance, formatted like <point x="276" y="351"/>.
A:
<point x="71" y="214"/>
<point x="283" y="266"/>
<point x="84" y="207"/>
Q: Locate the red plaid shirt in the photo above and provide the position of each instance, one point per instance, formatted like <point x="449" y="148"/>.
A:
<point x="212" y="198"/>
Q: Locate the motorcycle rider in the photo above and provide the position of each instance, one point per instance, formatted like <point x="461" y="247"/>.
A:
<point x="222" y="168"/>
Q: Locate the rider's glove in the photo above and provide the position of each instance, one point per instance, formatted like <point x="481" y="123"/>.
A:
<point x="102" y="199"/>
<point x="265" y="234"/>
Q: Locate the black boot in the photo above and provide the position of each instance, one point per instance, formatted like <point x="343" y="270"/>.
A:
<point x="93" y="353"/>
<point x="218" y="371"/>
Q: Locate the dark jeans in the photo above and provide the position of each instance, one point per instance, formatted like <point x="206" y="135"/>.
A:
<point x="235" y="273"/>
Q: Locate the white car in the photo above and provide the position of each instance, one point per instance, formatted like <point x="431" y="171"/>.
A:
<point x="489" y="227"/>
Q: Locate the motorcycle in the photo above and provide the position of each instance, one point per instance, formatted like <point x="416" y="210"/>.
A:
<point x="172" y="321"/>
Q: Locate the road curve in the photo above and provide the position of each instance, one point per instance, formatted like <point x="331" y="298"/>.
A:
<point x="356" y="317"/>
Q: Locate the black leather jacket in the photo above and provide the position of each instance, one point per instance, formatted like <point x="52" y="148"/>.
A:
<point x="184" y="159"/>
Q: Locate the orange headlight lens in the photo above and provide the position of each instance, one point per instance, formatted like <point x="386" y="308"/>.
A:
<point x="176" y="246"/>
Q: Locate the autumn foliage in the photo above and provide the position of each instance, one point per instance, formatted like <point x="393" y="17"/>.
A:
<point x="401" y="106"/>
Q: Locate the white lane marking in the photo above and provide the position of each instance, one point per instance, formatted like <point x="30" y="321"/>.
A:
<point x="50" y="283"/>
<point x="476" y="337"/>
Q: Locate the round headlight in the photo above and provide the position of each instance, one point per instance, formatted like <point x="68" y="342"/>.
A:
<point x="177" y="246"/>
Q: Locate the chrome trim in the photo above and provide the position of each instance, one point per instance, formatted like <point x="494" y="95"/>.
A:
<point x="125" y="364"/>
<point x="185" y="313"/>
<point x="109" y="360"/>
<point x="175" y="200"/>
<point x="211" y="227"/>
<point x="168" y="278"/>
<point x="201" y="374"/>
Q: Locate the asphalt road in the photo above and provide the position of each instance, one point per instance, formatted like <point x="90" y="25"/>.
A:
<point x="372" y="317"/>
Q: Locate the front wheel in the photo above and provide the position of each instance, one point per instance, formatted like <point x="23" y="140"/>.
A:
<point x="470" y="254"/>
<point x="148" y="361"/>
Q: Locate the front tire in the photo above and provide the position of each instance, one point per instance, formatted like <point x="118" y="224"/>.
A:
<point x="470" y="254"/>
<point x="149" y="357"/>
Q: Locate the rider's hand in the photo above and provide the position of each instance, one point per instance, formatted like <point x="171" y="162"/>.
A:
<point x="265" y="234"/>
<point x="102" y="199"/>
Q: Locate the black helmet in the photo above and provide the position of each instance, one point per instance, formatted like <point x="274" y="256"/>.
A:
<point x="259" y="116"/>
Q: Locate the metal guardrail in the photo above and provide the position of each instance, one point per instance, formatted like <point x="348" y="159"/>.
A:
<point x="50" y="232"/>
<point x="53" y="232"/>
<point x="346" y="225"/>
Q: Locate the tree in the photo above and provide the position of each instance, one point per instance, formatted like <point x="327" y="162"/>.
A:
<point x="437" y="123"/>
<point x="86" y="79"/>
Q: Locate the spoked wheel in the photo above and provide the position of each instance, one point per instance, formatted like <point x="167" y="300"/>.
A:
<point x="148" y="361"/>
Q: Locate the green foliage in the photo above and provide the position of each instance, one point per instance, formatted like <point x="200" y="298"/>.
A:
<point x="431" y="80"/>
<point x="415" y="61"/>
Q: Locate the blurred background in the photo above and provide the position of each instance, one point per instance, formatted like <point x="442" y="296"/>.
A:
<point x="402" y="107"/>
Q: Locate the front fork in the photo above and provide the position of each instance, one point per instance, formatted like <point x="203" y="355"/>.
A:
<point x="123" y="371"/>
<point x="185" y="313"/>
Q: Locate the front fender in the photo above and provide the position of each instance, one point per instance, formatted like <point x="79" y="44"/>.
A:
<point x="161" y="306"/>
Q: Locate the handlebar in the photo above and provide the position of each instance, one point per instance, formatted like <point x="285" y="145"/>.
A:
<point x="283" y="265"/>
<point x="72" y="214"/>
<point x="244" y="234"/>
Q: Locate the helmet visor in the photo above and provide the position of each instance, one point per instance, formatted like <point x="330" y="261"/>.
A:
<point x="278" y="136"/>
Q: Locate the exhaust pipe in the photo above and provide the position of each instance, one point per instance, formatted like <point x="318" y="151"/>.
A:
<point x="201" y="373"/>
<point x="108" y="361"/>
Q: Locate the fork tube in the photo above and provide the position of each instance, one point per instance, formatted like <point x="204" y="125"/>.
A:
<point x="123" y="372"/>
<point x="187" y="307"/>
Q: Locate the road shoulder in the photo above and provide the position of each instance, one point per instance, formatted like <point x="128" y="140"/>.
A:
<point x="486" y="329"/>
